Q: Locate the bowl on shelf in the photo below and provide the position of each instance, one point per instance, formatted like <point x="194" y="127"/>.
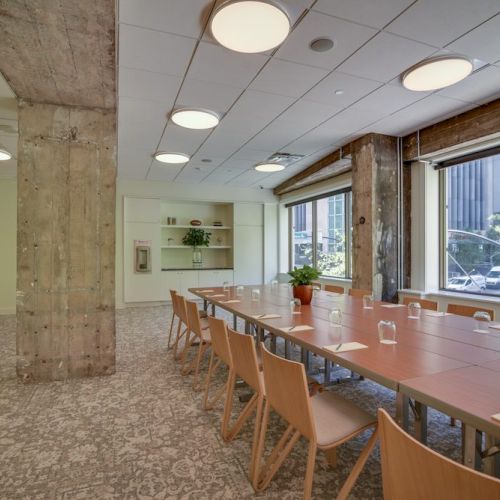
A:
<point x="196" y="222"/>
<point x="217" y="223"/>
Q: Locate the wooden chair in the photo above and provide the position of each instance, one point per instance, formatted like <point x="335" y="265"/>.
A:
<point x="195" y="332"/>
<point x="334" y="289"/>
<point x="430" y="305"/>
<point x="410" y="470"/>
<point x="245" y="365"/>
<point x="469" y="310"/>
<point x="174" y="315"/>
<point x="182" y="326"/>
<point x="220" y="354"/>
<point x="359" y="292"/>
<point x="325" y="419"/>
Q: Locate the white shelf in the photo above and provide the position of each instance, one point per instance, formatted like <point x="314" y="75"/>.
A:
<point x="214" y="247"/>
<point x="188" y="226"/>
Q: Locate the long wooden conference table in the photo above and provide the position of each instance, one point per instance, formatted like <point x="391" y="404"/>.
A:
<point x="438" y="361"/>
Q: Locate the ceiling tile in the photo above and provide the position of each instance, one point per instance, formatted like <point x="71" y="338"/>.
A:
<point x="185" y="18"/>
<point x="142" y="84"/>
<point x="194" y="174"/>
<point x="214" y="63"/>
<point x="181" y="140"/>
<point x="352" y="87"/>
<point x="222" y="144"/>
<point x="385" y="57"/>
<point x="480" y="87"/>
<point x="287" y="78"/>
<point x="349" y="121"/>
<point x="440" y="22"/>
<point x="163" y="172"/>
<point x="346" y="36"/>
<point x="154" y="51"/>
<point x="376" y="13"/>
<point x="482" y="42"/>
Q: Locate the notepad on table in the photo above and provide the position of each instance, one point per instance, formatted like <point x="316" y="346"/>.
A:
<point x="496" y="326"/>
<point x="232" y="301"/>
<point x="390" y="306"/>
<point x="205" y="291"/>
<point x="478" y="330"/>
<point x="347" y="346"/>
<point x="296" y="328"/>
<point x="437" y="314"/>
<point x="496" y="417"/>
<point x="216" y="295"/>
<point x="266" y="316"/>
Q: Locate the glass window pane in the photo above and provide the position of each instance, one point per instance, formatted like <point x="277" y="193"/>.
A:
<point x="330" y="231"/>
<point x="473" y="226"/>
<point x="302" y="234"/>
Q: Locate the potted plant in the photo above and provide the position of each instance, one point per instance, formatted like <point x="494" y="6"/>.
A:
<point x="196" y="238"/>
<point x="301" y="282"/>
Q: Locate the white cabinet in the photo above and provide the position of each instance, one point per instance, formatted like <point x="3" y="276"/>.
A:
<point x="248" y="255"/>
<point x="215" y="277"/>
<point x="181" y="281"/>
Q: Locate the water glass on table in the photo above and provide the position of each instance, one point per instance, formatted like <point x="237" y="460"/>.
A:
<point x="482" y="319"/>
<point x="255" y="295"/>
<point x="367" y="301"/>
<point x="387" y="332"/>
<point x="240" y="290"/>
<point x="335" y="321"/>
<point x="295" y="305"/>
<point x="274" y="284"/>
<point x="414" y="310"/>
<point x="225" y="287"/>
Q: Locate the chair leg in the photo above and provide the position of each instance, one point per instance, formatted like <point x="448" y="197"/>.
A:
<point x="201" y="351"/>
<point x="212" y="368"/>
<point x="311" y="461"/>
<point x="254" y="462"/>
<point x="185" y="370"/>
<point x="180" y="333"/>
<point x="170" y="331"/>
<point x="358" y="466"/>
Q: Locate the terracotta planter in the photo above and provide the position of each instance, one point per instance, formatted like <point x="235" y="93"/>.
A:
<point x="304" y="293"/>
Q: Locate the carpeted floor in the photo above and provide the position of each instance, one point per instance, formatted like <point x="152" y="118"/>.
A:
<point x="141" y="433"/>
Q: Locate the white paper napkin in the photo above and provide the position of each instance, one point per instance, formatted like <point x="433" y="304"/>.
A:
<point x="296" y="328"/>
<point x="235" y="301"/>
<point x="437" y="314"/>
<point x="348" y="346"/>
<point x="205" y="291"/>
<point x="477" y="330"/>
<point x="390" y="306"/>
<point x="496" y="326"/>
<point x="217" y="295"/>
<point x="266" y="316"/>
<point x="496" y="417"/>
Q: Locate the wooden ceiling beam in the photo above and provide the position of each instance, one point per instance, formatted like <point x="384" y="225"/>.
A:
<point x="469" y="126"/>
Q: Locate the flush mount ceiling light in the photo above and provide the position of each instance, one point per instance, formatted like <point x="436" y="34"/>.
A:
<point x="195" y="118"/>
<point x="437" y="73"/>
<point x="165" y="157"/>
<point x="4" y="155"/>
<point x="269" y="167"/>
<point x="250" y="26"/>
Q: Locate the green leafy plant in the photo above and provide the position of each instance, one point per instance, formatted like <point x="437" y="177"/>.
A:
<point x="196" y="238"/>
<point x="303" y="275"/>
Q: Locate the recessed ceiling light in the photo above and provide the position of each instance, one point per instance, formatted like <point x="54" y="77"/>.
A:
<point x="437" y="73"/>
<point x="269" y="167"/>
<point x="195" y="118"/>
<point x="5" y="155"/>
<point x="339" y="92"/>
<point x="250" y="26"/>
<point x="165" y="157"/>
<point x="321" y="44"/>
<point x="206" y="160"/>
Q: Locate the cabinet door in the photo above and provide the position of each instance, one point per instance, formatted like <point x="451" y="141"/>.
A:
<point x="215" y="277"/>
<point x="248" y="255"/>
<point x="172" y="280"/>
<point x="189" y="279"/>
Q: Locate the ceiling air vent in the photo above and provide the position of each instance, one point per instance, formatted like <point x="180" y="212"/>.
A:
<point x="284" y="159"/>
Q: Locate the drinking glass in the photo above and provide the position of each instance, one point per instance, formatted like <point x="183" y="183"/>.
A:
<point x="387" y="332"/>
<point x="335" y="317"/>
<point x="274" y="283"/>
<point x="240" y="290"/>
<point x="256" y="295"/>
<point x="225" y="287"/>
<point x="295" y="306"/>
<point x="368" y="301"/>
<point x="414" y="310"/>
<point x="482" y="319"/>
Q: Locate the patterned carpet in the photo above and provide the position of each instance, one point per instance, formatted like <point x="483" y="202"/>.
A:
<point x="141" y="433"/>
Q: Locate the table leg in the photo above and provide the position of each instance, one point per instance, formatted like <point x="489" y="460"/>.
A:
<point x="328" y="371"/>
<point x="287" y="349"/>
<point x="421" y="422"/>
<point x="205" y="305"/>
<point x="305" y="357"/>
<point x="235" y="322"/>
<point x="471" y="439"/>
<point x="273" y="343"/>
<point x="402" y="410"/>
<point x="213" y="310"/>
<point x="247" y="327"/>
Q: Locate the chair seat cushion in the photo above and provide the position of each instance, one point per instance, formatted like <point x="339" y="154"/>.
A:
<point x="337" y="419"/>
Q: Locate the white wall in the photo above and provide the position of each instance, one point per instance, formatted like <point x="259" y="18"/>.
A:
<point x="8" y="228"/>
<point x="176" y="192"/>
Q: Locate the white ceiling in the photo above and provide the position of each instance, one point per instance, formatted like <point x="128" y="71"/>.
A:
<point x="285" y="100"/>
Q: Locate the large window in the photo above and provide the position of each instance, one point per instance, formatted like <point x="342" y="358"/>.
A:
<point x="471" y="220"/>
<point x="321" y="234"/>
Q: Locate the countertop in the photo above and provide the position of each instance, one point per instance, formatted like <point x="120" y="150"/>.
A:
<point x="197" y="269"/>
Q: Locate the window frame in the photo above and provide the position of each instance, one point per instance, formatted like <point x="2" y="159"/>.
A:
<point x="347" y="216"/>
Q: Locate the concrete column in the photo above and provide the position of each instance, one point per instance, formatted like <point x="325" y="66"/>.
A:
<point x="375" y="215"/>
<point x="66" y="242"/>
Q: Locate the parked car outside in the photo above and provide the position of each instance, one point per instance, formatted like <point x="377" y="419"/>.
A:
<point x="472" y="283"/>
<point x="493" y="278"/>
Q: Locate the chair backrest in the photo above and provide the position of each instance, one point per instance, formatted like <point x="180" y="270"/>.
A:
<point x="334" y="289"/>
<point x="469" y="310"/>
<point x="430" y="305"/>
<point x="244" y="358"/>
<point x="286" y="390"/>
<point x="359" y="292"/>
<point x="173" y="293"/>
<point x="220" y="342"/>
<point x="413" y="471"/>
<point x="193" y="318"/>
<point x="181" y="308"/>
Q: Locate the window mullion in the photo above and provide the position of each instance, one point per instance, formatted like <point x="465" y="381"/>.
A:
<point x="314" y="235"/>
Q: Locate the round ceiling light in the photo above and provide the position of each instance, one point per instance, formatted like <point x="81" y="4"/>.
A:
<point x="250" y="26"/>
<point x="195" y="118"/>
<point x="5" y="155"/>
<point x="269" y="167"/>
<point x="165" y="157"/>
<point x="437" y="73"/>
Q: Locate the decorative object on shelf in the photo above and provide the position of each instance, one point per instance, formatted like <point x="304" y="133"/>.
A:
<point x="301" y="282"/>
<point x="218" y="241"/>
<point x="171" y="221"/>
<point x="196" y="222"/>
<point x="170" y="241"/>
<point x="196" y="238"/>
<point x="217" y="223"/>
